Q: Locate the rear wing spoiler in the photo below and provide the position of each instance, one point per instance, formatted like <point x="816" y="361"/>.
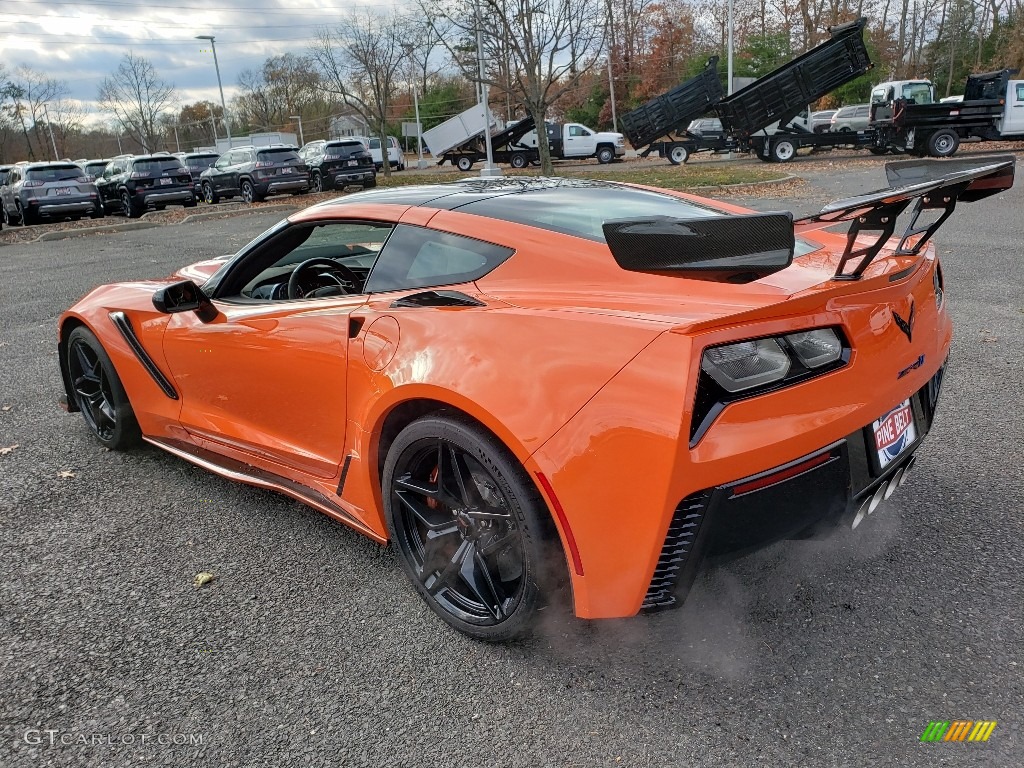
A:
<point x="928" y="185"/>
<point x="739" y="249"/>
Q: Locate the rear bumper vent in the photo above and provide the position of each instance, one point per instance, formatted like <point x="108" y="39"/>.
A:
<point x="675" y="553"/>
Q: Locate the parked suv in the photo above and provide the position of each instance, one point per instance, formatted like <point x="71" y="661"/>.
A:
<point x="333" y="164"/>
<point x="94" y="168"/>
<point x="852" y="118"/>
<point x="197" y="162"/>
<point x="133" y="184"/>
<point x="34" y="191"/>
<point x="254" y="173"/>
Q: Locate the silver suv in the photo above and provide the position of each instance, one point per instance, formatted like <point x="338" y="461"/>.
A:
<point x="48" y="190"/>
<point x="852" y="118"/>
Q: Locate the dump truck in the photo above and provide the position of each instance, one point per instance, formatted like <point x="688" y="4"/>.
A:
<point x="461" y="141"/>
<point x="765" y="116"/>
<point x="906" y="115"/>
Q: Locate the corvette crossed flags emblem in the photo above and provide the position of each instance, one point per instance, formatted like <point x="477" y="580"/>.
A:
<point x="907" y="326"/>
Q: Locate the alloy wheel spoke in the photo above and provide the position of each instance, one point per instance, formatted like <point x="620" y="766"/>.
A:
<point x="450" y="570"/>
<point x="475" y="573"/>
<point x="85" y="366"/>
<point x="498" y="543"/>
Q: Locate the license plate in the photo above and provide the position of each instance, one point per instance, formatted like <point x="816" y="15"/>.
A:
<point x="63" y="190"/>
<point x="894" y="433"/>
<point x="353" y="162"/>
<point x="166" y="181"/>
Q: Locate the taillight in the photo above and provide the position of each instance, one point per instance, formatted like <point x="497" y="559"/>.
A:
<point x="262" y="164"/>
<point x="32" y="184"/>
<point x="139" y="175"/>
<point x="84" y="179"/>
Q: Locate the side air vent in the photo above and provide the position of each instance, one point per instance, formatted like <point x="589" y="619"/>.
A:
<point x="682" y="532"/>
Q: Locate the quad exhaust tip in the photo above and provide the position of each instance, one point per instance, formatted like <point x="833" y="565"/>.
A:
<point x="883" y="492"/>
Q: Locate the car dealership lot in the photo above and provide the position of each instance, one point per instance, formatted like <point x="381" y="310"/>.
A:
<point x="309" y="645"/>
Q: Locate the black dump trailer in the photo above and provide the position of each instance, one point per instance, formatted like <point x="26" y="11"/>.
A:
<point x="660" y="124"/>
<point x="780" y="96"/>
<point x="936" y="129"/>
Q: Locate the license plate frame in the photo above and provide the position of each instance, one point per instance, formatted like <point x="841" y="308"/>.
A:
<point x="893" y="433"/>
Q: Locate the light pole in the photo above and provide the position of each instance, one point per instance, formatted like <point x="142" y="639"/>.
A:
<point x="489" y="169"/>
<point x="223" y="105"/>
<point x="302" y="139"/>
<point x="49" y="127"/>
<point x="729" y="57"/>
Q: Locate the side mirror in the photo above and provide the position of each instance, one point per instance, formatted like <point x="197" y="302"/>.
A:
<point x="185" y="296"/>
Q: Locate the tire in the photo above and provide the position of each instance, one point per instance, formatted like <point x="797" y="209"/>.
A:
<point x="191" y="202"/>
<point x="605" y="155"/>
<point x="846" y="129"/>
<point x="6" y="216"/>
<point x="370" y="183"/>
<point x="131" y="210"/>
<point x="464" y="163"/>
<point x="210" y="195"/>
<point x="317" y="183"/>
<point x="98" y="392"/>
<point x="248" y="192"/>
<point x="519" y="160"/>
<point x="878" y="150"/>
<point x="484" y="576"/>
<point x="783" y="151"/>
<point x="97" y="212"/>
<point x="678" y="154"/>
<point x="160" y="207"/>
<point x="24" y="216"/>
<point x="943" y="143"/>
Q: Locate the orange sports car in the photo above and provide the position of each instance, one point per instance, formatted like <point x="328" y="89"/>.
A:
<point x="525" y="383"/>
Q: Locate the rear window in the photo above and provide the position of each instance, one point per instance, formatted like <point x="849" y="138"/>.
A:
<point x="156" y="164"/>
<point x="277" y="155"/>
<point x="3" y="176"/>
<point x="95" y="169"/>
<point x="346" y="146"/>
<point x="201" y="162"/>
<point x="582" y="211"/>
<point x="56" y="173"/>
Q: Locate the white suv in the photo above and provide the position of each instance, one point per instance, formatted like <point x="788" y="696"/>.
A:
<point x="395" y="157"/>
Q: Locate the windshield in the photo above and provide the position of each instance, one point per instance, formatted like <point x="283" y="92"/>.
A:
<point x="58" y="173"/>
<point x="920" y="93"/>
<point x="201" y="162"/>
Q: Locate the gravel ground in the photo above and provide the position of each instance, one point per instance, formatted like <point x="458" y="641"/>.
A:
<point x="308" y="647"/>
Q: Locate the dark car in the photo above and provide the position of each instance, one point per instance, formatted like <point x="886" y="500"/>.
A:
<point x="133" y="184"/>
<point x="254" y="173"/>
<point x="333" y="164"/>
<point x="94" y="168"/>
<point x="59" y="190"/>
<point x="197" y="162"/>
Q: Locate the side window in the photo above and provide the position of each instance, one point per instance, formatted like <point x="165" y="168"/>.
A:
<point x="1020" y="91"/>
<point x="575" y="130"/>
<point x="415" y="257"/>
<point x="862" y="111"/>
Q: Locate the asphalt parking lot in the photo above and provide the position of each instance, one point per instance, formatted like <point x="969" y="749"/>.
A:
<point x="310" y="648"/>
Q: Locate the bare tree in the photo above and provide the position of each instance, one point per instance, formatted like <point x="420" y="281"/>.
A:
<point x="136" y="96"/>
<point x="536" y="50"/>
<point x="284" y="86"/>
<point x="360" y="62"/>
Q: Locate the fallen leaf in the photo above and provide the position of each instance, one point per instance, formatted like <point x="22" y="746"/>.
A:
<point x="990" y="339"/>
<point x="8" y="449"/>
<point x="65" y="473"/>
<point x="6" y="408"/>
<point x="202" y="578"/>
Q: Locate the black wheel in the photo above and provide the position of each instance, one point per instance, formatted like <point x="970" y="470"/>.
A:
<point x="209" y="195"/>
<point x="465" y="521"/>
<point x="878" y="150"/>
<point x="5" y="217"/>
<point x="464" y="163"/>
<point x="605" y="155"/>
<point x="160" y="207"/>
<point x="97" y="212"/>
<point x="98" y="392"/>
<point x="783" y="151"/>
<point x="318" y="184"/>
<point x="248" y="192"/>
<point x="678" y="154"/>
<point x="370" y="183"/>
<point x="190" y="202"/>
<point x="943" y="143"/>
<point x="26" y="217"/>
<point x="846" y="129"/>
<point x="131" y="210"/>
<point x="519" y="160"/>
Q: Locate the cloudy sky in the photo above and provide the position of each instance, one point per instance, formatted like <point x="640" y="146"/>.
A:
<point x="83" y="42"/>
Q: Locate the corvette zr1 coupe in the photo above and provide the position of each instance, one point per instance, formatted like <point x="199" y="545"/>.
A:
<point x="528" y="383"/>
